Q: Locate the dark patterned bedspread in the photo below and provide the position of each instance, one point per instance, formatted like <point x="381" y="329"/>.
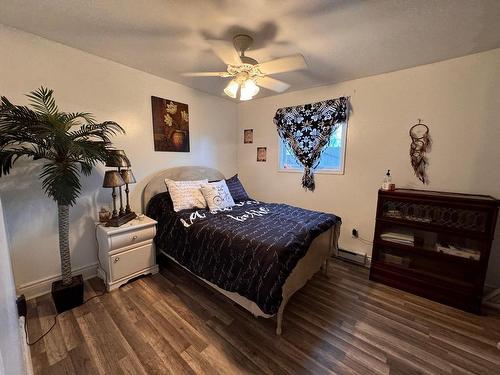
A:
<point x="249" y="249"/>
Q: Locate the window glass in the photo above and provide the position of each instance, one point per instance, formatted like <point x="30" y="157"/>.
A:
<point x="332" y="157"/>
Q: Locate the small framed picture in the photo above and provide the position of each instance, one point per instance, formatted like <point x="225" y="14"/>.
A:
<point x="248" y="136"/>
<point x="261" y="153"/>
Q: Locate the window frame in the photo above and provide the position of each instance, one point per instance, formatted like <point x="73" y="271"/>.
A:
<point x="340" y="171"/>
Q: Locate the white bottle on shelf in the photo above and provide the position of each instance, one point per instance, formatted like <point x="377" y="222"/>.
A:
<point x="386" y="185"/>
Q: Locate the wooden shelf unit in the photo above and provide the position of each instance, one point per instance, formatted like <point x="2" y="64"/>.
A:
<point x="462" y="221"/>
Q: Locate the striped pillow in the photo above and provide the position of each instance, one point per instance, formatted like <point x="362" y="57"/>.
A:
<point x="236" y="189"/>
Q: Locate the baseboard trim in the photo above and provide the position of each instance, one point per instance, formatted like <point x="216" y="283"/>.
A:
<point x="354" y="257"/>
<point x="43" y="286"/>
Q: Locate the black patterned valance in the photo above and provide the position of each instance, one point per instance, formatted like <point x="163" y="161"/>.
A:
<point x="307" y="128"/>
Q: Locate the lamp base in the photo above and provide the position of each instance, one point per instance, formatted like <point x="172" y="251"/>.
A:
<point x="120" y="220"/>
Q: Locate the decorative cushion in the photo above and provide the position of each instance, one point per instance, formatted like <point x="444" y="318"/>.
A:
<point x="160" y="203"/>
<point x="186" y="194"/>
<point x="217" y="195"/>
<point x="236" y="189"/>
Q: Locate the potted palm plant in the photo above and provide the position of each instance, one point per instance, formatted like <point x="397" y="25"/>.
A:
<point x="70" y="144"/>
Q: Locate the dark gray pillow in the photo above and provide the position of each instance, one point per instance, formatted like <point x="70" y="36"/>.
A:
<point x="236" y="189"/>
<point x="159" y="204"/>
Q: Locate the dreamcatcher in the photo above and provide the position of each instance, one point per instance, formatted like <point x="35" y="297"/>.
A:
<point x="420" y="144"/>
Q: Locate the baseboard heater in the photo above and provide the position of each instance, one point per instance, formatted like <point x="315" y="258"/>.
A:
<point x="351" y="256"/>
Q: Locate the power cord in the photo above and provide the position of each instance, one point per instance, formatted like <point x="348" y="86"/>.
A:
<point x="361" y="239"/>
<point x="53" y="324"/>
<point x="84" y="302"/>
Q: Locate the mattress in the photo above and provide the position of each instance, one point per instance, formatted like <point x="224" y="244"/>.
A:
<point x="249" y="249"/>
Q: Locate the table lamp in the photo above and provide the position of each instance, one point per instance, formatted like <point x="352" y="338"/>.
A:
<point x="128" y="178"/>
<point x="118" y="159"/>
<point x="113" y="179"/>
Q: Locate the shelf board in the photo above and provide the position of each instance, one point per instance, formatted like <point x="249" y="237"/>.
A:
<point x="411" y="272"/>
<point x="434" y="228"/>
<point x="463" y="297"/>
<point x="426" y="252"/>
<point x="441" y="196"/>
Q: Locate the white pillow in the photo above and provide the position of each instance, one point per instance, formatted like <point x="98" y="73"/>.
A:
<point x="217" y="195"/>
<point x="186" y="194"/>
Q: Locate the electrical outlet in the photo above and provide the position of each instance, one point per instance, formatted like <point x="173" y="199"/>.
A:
<point x="354" y="232"/>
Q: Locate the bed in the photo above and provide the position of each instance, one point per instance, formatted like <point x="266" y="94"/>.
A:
<point x="242" y="252"/>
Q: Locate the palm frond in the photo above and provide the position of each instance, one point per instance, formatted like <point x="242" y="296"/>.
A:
<point x="86" y="167"/>
<point x="101" y="132"/>
<point x="20" y="124"/>
<point x="61" y="182"/>
<point x="10" y="155"/>
<point x="22" y="138"/>
<point x="43" y="101"/>
<point x="72" y="117"/>
<point x="17" y="115"/>
<point x="88" y="150"/>
<point x="43" y="132"/>
<point x="108" y="128"/>
<point x="7" y="160"/>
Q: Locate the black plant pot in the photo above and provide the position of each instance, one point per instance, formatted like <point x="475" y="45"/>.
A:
<point x="68" y="296"/>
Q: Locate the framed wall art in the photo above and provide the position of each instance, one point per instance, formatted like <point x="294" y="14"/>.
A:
<point x="170" y="125"/>
<point x="248" y="136"/>
<point x="261" y="153"/>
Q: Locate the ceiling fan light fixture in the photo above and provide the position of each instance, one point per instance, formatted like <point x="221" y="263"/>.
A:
<point x="244" y="97"/>
<point x="231" y="89"/>
<point x="248" y="89"/>
<point x="251" y="86"/>
<point x="246" y="71"/>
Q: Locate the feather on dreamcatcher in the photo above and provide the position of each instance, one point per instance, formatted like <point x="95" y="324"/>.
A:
<point x="420" y="145"/>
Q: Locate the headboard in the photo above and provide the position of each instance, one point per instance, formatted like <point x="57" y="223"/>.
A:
<point x="156" y="184"/>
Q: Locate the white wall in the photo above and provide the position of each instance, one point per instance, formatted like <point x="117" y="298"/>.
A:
<point x="460" y="101"/>
<point x="83" y="82"/>
<point x="11" y="357"/>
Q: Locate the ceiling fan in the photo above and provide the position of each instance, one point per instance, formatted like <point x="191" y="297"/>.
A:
<point x="247" y="73"/>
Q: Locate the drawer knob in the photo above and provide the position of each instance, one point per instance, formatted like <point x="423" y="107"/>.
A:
<point x="116" y="259"/>
<point x="134" y="238"/>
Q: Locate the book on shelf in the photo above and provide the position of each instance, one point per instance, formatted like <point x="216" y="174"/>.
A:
<point x="405" y="238"/>
<point x="394" y="213"/>
<point x="458" y="251"/>
<point x="395" y="259"/>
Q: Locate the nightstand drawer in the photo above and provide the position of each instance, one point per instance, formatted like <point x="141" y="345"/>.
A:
<point x="131" y="261"/>
<point x="129" y="238"/>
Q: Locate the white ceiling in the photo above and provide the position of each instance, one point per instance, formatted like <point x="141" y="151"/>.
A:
<point x="340" y="39"/>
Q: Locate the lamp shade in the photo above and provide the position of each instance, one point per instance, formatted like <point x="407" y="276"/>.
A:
<point x="232" y="89"/>
<point x="248" y="90"/>
<point x="117" y="158"/>
<point x="128" y="176"/>
<point x="112" y="179"/>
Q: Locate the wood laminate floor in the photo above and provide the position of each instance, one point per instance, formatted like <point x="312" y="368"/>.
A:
<point x="172" y="324"/>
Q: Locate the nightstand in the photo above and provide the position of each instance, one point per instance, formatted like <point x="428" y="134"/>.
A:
<point x="126" y="252"/>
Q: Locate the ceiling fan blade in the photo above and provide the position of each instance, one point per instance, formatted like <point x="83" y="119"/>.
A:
<point x="283" y="64"/>
<point x="204" y="74"/>
<point x="225" y="51"/>
<point x="272" y="84"/>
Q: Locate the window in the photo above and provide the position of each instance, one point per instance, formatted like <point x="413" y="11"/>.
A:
<point x="332" y="157"/>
